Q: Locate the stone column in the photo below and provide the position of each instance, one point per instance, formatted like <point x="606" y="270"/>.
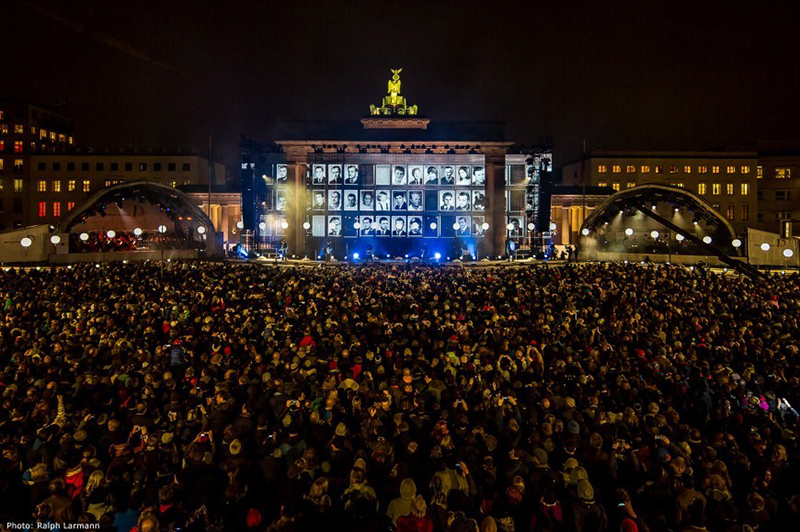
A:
<point x="495" y="238"/>
<point x="296" y="195"/>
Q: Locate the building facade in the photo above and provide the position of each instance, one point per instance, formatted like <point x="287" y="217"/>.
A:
<point x="25" y="131"/>
<point x="726" y="180"/>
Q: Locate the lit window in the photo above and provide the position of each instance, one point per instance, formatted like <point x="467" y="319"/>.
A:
<point x="2" y="145"/>
<point x="645" y="169"/>
<point x="43" y="134"/>
<point x="19" y="129"/>
<point x="33" y="130"/>
<point x="19" y="146"/>
<point x="687" y="169"/>
<point x="731" y="169"/>
<point x="715" y="169"/>
<point x="600" y="184"/>
<point x="616" y="169"/>
<point x="659" y="170"/>
<point x="701" y="188"/>
<point x="630" y="185"/>
<point x="745" y="189"/>
<point x="70" y="139"/>
<point x="42" y="209"/>
<point x="70" y="205"/>
<point x="56" y="208"/>
<point x="601" y="169"/>
<point x="730" y="212"/>
<point x="716" y="189"/>
<point x="173" y="184"/>
<point x="71" y="185"/>
<point x="729" y="190"/>
<point x="615" y="186"/>
<point x="57" y="185"/>
<point x="702" y="169"/>
<point x="630" y="169"/>
<point x="783" y="173"/>
<point x="745" y="169"/>
<point x="679" y="184"/>
<point x="745" y="213"/>
<point x="33" y="146"/>
<point x="1" y="115"/>
<point x="53" y="136"/>
<point x="19" y="165"/>
<point x="62" y="138"/>
<point x="3" y="129"/>
<point x="673" y="169"/>
<point x="86" y="186"/>
<point x="2" y="164"/>
<point x="715" y="206"/>
<point x="42" y="186"/>
<point x="759" y="172"/>
<point x="108" y="182"/>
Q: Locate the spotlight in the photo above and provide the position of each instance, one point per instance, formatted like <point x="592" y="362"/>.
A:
<point x="433" y="226"/>
<point x="585" y="232"/>
<point x="765" y="247"/>
<point x="485" y="226"/>
<point x="531" y="226"/>
<point x="553" y="226"/>
<point x="406" y="255"/>
<point x="202" y="230"/>
<point x="679" y="237"/>
<point x="111" y="234"/>
<point x="306" y="226"/>
<point x="284" y="224"/>
<point x="437" y="256"/>
<point x="654" y="234"/>
<point x="162" y="229"/>
<point x="84" y="237"/>
<point x="456" y="226"/>
<point x="240" y="224"/>
<point x="629" y="231"/>
<point x="736" y="243"/>
<point x="788" y="253"/>
<point x="355" y="256"/>
<point x="510" y="226"/>
<point x="55" y="240"/>
<point x="26" y="242"/>
<point x="262" y="226"/>
<point x="137" y="232"/>
<point x="357" y="225"/>
<point x="706" y="239"/>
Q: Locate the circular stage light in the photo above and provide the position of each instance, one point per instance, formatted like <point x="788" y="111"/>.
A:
<point x="84" y="236"/>
<point x="531" y="226"/>
<point x="284" y="224"/>
<point x="262" y="226"/>
<point x="437" y="256"/>
<point x="706" y="239"/>
<point x="629" y="231"/>
<point x="654" y="234"/>
<point x="679" y="237"/>
<point x="306" y="226"/>
<point x="433" y="226"/>
<point x="111" y="233"/>
<point x="355" y="256"/>
<point x="553" y="226"/>
<point x="162" y="229"/>
<point x="455" y="226"/>
<point x="240" y="224"/>
<point x="788" y="253"/>
<point x="736" y="243"/>
<point x="585" y="232"/>
<point x="55" y="240"/>
<point x="202" y="230"/>
<point x="510" y="227"/>
<point x="485" y="226"/>
<point x="357" y="225"/>
<point x="137" y="231"/>
<point x="26" y="242"/>
<point x="765" y="247"/>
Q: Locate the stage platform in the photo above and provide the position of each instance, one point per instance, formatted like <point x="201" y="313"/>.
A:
<point x="399" y="261"/>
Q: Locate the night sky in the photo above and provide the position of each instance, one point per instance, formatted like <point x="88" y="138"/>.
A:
<point x="621" y="75"/>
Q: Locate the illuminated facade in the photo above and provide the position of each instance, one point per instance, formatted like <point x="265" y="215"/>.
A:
<point x="393" y="181"/>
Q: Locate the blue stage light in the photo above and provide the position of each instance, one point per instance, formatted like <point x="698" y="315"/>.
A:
<point x="355" y="256"/>
<point x="437" y="256"/>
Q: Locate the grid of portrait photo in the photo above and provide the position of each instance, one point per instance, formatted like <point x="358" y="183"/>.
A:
<point x="415" y="200"/>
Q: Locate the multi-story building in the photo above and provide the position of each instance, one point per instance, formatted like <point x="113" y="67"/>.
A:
<point x="778" y="189"/>
<point x="25" y="130"/>
<point x="59" y="181"/>
<point x="727" y="180"/>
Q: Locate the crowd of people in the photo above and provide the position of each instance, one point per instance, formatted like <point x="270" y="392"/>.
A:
<point x="219" y="396"/>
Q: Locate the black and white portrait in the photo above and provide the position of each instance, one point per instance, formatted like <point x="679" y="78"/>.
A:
<point x="334" y="174"/>
<point x="463" y="177"/>
<point x="351" y="174"/>
<point x="414" y="200"/>
<point x="463" y="225"/>
<point x="431" y="175"/>
<point x="516" y="226"/>
<point x="367" y="200"/>
<point x="398" y="175"/>
<point x="477" y="225"/>
<point x="446" y="200"/>
<point x="279" y="230"/>
<point x="384" y="202"/>
<point x="280" y="200"/>
<point x="351" y="200"/>
<point x="334" y="200"/>
<point x="366" y="226"/>
<point x="399" y="201"/>
<point x="415" y="226"/>
<point x="334" y="226"/>
<point x="448" y="176"/>
<point x="318" y="175"/>
<point x="478" y="176"/>
<point x="463" y="200"/>
<point x="283" y="173"/>
<point x="478" y="200"/>
<point x="414" y="175"/>
<point x="318" y="200"/>
<point x="399" y="226"/>
<point x="384" y="226"/>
